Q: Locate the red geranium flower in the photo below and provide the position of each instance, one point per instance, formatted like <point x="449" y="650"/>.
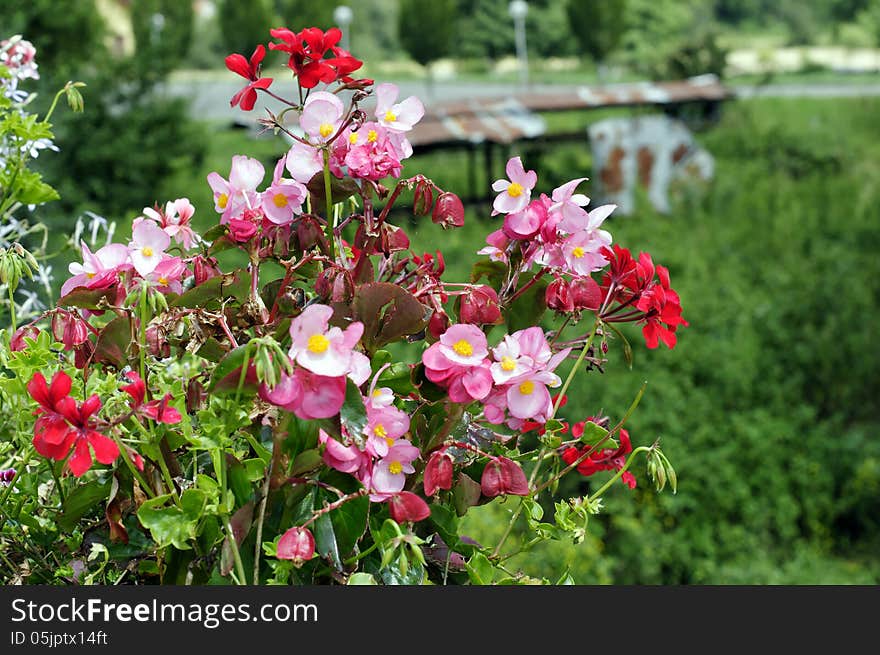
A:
<point x="158" y="410"/>
<point x="64" y="425"/>
<point x="603" y="459"/>
<point x="250" y="70"/>
<point x="307" y="55"/>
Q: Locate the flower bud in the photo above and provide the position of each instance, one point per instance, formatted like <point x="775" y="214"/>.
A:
<point x="423" y="200"/>
<point x="558" y="296"/>
<point x="585" y="293"/>
<point x="69" y="329"/>
<point x="438" y="324"/>
<point x="309" y="232"/>
<point x="195" y="395"/>
<point x="18" y="342"/>
<point x="157" y="343"/>
<point x="204" y="268"/>
<point x="480" y="306"/>
<point x="448" y="212"/>
<point x="438" y="472"/>
<point x="296" y="544"/>
<point x="242" y="230"/>
<point x="406" y="507"/>
<point x="503" y="476"/>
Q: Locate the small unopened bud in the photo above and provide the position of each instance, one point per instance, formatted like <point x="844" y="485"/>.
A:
<point x="558" y="296"/>
<point x="448" y="212"/>
<point x="423" y="200"/>
<point x="438" y="324"/>
<point x="309" y="232"/>
<point x="503" y="476"/>
<point x="406" y="507"/>
<point x="18" y="342"/>
<point x="480" y="306"/>
<point x="204" y="268"/>
<point x="438" y="472"/>
<point x="296" y="544"/>
<point x="585" y="293"/>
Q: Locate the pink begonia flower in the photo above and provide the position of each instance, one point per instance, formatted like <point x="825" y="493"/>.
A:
<point x="175" y="220"/>
<point x="147" y="246"/>
<point x="347" y="459"/>
<point x="240" y="192"/>
<point x="379" y="397"/>
<point x="514" y="194"/>
<point x="374" y="152"/>
<point x="303" y="161"/>
<point x="168" y="274"/>
<point x="597" y="217"/>
<point x="529" y="398"/>
<point x="497" y="248"/>
<point x="474" y="383"/>
<point x="510" y="362"/>
<point x="464" y="344"/>
<point x="322" y="115"/>
<point x="582" y="253"/>
<point x="99" y="269"/>
<point x="527" y="223"/>
<point x="283" y="199"/>
<point x="384" y="426"/>
<point x="389" y="473"/>
<point x="307" y="395"/>
<point x="401" y="116"/>
<point x="570" y="205"/>
<point x="320" y="348"/>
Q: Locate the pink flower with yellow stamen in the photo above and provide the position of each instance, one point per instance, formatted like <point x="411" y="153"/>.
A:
<point x="325" y="350"/>
<point x="322" y="116"/>
<point x="514" y="193"/>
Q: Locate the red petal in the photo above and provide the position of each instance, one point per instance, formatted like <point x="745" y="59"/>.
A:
<point x="297" y="544"/>
<point x="256" y="58"/>
<point x="38" y="390"/>
<point x="248" y="98"/>
<point x="82" y="458"/>
<point x="106" y="450"/>
<point x="407" y="507"/>
<point x="60" y="387"/>
<point x="239" y="65"/>
<point x="91" y="405"/>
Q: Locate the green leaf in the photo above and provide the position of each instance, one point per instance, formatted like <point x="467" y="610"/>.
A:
<point x="255" y="469"/>
<point x="350" y="523"/>
<point x="388" y="313"/>
<point x="353" y="413"/>
<point x="306" y="461"/>
<point x="173" y="525"/>
<point x="361" y="579"/>
<point x="446" y="523"/>
<point x="325" y="540"/>
<point x="80" y="501"/>
<point x="494" y="273"/>
<point x="209" y="294"/>
<point x="31" y="190"/>
<point x="528" y="309"/>
<point x="89" y="298"/>
<point x="593" y="434"/>
<point x="480" y="569"/>
<point x="228" y="371"/>
<point x="398" y="378"/>
<point x="465" y="494"/>
<point x="113" y="342"/>
<point x="239" y="481"/>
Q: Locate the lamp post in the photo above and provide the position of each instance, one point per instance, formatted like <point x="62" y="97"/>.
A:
<point x="342" y="16"/>
<point x="518" y="10"/>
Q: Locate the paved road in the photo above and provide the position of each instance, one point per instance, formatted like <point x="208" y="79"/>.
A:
<point x="210" y="97"/>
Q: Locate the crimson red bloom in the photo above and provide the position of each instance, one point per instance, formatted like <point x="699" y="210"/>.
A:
<point x="308" y="49"/>
<point x="250" y="70"/>
<point x="63" y="425"/>
<point x="158" y="410"/>
<point x="602" y="459"/>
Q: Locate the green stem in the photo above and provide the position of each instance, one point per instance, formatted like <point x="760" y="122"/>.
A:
<point x="163" y="465"/>
<point x="6" y="492"/>
<point x="543" y="451"/>
<point x="243" y="375"/>
<point x="54" y="102"/>
<point x="12" y="306"/>
<point x="131" y="467"/>
<point x="619" y="474"/>
<point x="361" y="555"/>
<point x="328" y="196"/>
<point x="239" y="565"/>
<point x="142" y="350"/>
<point x="219" y="460"/>
<point x="57" y="483"/>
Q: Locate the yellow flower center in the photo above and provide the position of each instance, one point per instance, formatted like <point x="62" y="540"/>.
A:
<point x="325" y="130"/>
<point x="222" y="201"/>
<point x="90" y="275"/>
<point x="395" y="467"/>
<point x="515" y="190"/>
<point x="280" y="200"/>
<point x="318" y="343"/>
<point x="527" y="387"/>
<point x="463" y="348"/>
<point x="389" y="441"/>
<point x="380" y="430"/>
<point x="146" y="251"/>
<point x="163" y="281"/>
<point x="372" y="135"/>
<point x="507" y="364"/>
<point x="390" y="116"/>
<point x="377" y="393"/>
<point x="578" y="252"/>
<point x="353" y="138"/>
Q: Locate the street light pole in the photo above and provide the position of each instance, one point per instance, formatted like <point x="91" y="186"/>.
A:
<point x="342" y="16"/>
<point x="518" y="10"/>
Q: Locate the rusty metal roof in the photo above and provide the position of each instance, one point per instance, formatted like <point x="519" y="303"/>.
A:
<point x="513" y="118"/>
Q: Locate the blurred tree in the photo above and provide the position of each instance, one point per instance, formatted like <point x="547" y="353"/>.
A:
<point x="297" y="14"/>
<point x="425" y="28"/>
<point x="163" y="32"/>
<point x="597" y="25"/>
<point x="243" y="25"/>
<point x="67" y="32"/>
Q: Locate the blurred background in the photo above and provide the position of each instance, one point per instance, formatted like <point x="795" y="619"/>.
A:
<point x="766" y="211"/>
